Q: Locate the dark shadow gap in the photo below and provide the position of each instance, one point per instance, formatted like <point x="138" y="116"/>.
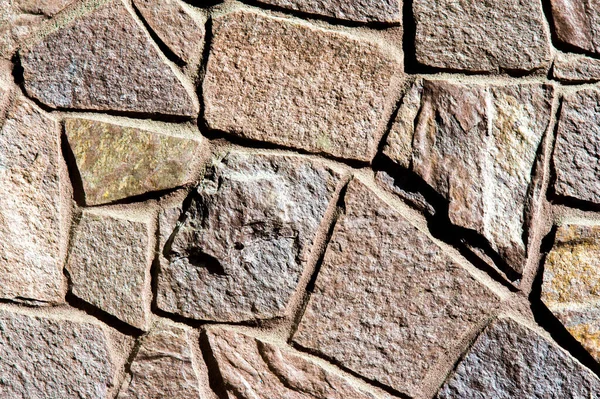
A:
<point x="73" y="170"/>
<point x="215" y="379"/>
<point x="208" y="38"/>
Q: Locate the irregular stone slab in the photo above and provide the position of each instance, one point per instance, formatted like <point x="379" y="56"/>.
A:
<point x="176" y="27"/>
<point x="388" y="302"/>
<point x="246" y="237"/>
<point x="575" y="68"/>
<point x="252" y="368"/>
<point x="509" y="361"/>
<point x="162" y="367"/>
<point x="385" y="11"/>
<point x="571" y="286"/>
<point x="576" y="23"/>
<point x="30" y="213"/>
<point x="109" y="266"/>
<point x="53" y="358"/>
<point x="86" y="66"/>
<point x="476" y="145"/>
<point x="577" y="147"/>
<point x="285" y="82"/>
<point x="117" y="162"/>
<point x="482" y="36"/>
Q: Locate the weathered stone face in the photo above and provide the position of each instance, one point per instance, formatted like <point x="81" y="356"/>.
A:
<point x="254" y="368"/>
<point x="571" y="287"/>
<point x="576" y="23"/>
<point x="30" y="213"/>
<point x="482" y="36"/>
<point x="575" y="68"/>
<point x="109" y="266"/>
<point x="162" y="367"/>
<point x="53" y="358"/>
<point x="386" y="11"/>
<point x="86" y="66"/>
<point x="386" y="303"/>
<point x="116" y="162"/>
<point x="275" y="80"/>
<point x="510" y="361"/>
<point x="245" y="238"/>
<point x="577" y="147"/>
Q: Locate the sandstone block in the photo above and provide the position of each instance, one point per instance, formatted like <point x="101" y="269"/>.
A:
<point x="287" y="83"/>
<point x="86" y="66"/>
<point x="575" y="68"/>
<point x="576" y="23"/>
<point x="246" y="237"/>
<point x="388" y="302"/>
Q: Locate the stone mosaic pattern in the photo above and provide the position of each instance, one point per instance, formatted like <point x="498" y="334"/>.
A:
<point x="314" y="199"/>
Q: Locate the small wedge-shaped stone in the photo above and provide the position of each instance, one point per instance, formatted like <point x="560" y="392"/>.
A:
<point x="508" y="360"/>
<point x="245" y="238"/>
<point x="30" y="213"/>
<point x="163" y="366"/>
<point x="476" y="145"/>
<point x="252" y="368"/>
<point x="104" y="61"/>
<point x="109" y="265"/>
<point x="385" y="11"/>
<point x="571" y="287"/>
<point x="285" y="82"/>
<point x="577" y="147"/>
<point x="482" y="36"/>
<point x="388" y="302"/>
<point x="576" y="23"/>
<point x="576" y="68"/>
<point x="45" y="357"/>
<point x="117" y="162"/>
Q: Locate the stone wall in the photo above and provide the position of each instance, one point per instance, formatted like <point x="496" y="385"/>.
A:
<point x="324" y="199"/>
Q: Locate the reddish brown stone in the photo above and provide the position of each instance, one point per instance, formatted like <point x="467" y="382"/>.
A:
<point x="575" y="68"/>
<point x="576" y="23"/>
<point x="388" y="302"/>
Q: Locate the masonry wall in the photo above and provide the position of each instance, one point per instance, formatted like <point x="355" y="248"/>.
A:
<point x="299" y="199"/>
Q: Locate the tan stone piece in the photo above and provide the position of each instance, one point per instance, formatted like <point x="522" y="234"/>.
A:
<point x="576" y="68"/>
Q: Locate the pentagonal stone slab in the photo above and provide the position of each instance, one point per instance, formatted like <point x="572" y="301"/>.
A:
<point x="86" y="66"/>
<point x="245" y="238"/>
<point x="576" y="23"/>
<point x="288" y="83"/>
<point x="388" y="302"/>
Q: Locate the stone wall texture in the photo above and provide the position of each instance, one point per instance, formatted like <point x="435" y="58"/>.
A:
<point x="303" y="199"/>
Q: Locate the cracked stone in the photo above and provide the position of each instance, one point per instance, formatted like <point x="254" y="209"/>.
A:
<point x="476" y="145"/>
<point x="571" y="285"/>
<point x="175" y="25"/>
<point x="288" y="83"/>
<point x="575" y="68"/>
<point x="46" y="357"/>
<point x="508" y="360"/>
<point x="577" y="147"/>
<point x="30" y="213"/>
<point x="246" y="238"/>
<point x="482" y="36"/>
<point x="86" y="66"/>
<point x="117" y="162"/>
<point x="109" y="266"/>
<point x="384" y="11"/>
<point x="388" y="302"/>
<point x="253" y="368"/>
<point x="576" y="23"/>
<point x="163" y="366"/>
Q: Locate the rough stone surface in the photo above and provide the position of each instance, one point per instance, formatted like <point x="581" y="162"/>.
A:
<point x="575" y="68"/>
<point x="52" y="358"/>
<point x="385" y="11"/>
<point x="482" y="36"/>
<point x="476" y="145"/>
<point x="176" y="27"/>
<point x="576" y="23"/>
<point x="87" y="66"/>
<point x="252" y="368"/>
<point x="388" y="302"/>
<point x="30" y="214"/>
<point x="246" y="238"/>
<point x="577" y="147"/>
<point x="162" y="367"/>
<point x="571" y="286"/>
<point x="284" y="82"/>
<point x="117" y="162"/>
<point x="109" y="266"/>
<point x="510" y="361"/>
